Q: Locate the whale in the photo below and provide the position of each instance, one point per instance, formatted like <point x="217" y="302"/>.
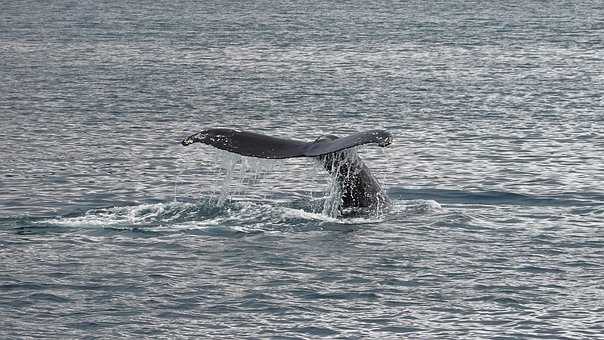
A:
<point x="358" y="188"/>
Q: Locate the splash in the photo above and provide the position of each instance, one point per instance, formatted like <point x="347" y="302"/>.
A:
<point x="138" y="215"/>
<point x="352" y="187"/>
<point x="349" y="182"/>
<point x="416" y="207"/>
<point x="239" y="175"/>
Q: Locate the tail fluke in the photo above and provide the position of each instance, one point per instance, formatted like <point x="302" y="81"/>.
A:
<point x="257" y="145"/>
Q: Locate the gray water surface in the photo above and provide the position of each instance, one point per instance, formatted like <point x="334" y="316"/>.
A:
<point x="109" y="228"/>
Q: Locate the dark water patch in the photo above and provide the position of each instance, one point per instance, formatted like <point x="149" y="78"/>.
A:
<point x="555" y="243"/>
<point x="314" y="331"/>
<point x="583" y="264"/>
<point x="501" y="300"/>
<point x="505" y="289"/>
<point x="40" y="230"/>
<point x="92" y="325"/>
<point x="346" y="296"/>
<point x="173" y="314"/>
<point x="130" y="232"/>
<point x="222" y="309"/>
<point x="47" y="298"/>
<point x="494" y="259"/>
<point x="397" y="329"/>
<point x="25" y="286"/>
<point x="539" y="270"/>
<point x="497" y="198"/>
<point x="60" y="275"/>
<point x="221" y="232"/>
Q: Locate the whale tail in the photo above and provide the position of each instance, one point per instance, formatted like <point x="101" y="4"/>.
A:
<point x="359" y="188"/>
<point x="257" y="145"/>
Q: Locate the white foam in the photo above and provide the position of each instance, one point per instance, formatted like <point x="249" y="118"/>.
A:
<point x="126" y="215"/>
<point x="181" y="215"/>
<point x="299" y="213"/>
<point x="416" y="206"/>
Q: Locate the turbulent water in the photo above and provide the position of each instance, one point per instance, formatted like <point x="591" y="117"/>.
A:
<point x="109" y="228"/>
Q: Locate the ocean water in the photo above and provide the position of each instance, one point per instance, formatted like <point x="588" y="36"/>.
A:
<point x="109" y="228"/>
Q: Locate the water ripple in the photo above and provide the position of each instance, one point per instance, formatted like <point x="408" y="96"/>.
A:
<point x="109" y="228"/>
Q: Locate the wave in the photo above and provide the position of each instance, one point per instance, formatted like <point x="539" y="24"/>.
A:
<point x="137" y="215"/>
<point x="497" y="197"/>
<point x="231" y="217"/>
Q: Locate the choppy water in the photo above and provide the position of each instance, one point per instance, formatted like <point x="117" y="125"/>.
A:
<point x="110" y="228"/>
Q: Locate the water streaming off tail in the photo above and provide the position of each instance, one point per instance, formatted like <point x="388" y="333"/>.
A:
<point x="336" y="165"/>
<point x="312" y="184"/>
<point x="351" y="185"/>
<point x="240" y="175"/>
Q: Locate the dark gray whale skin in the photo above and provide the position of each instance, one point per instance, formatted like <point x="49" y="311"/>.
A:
<point x="359" y="188"/>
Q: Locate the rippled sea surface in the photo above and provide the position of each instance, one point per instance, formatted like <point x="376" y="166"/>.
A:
<point x="109" y="228"/>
